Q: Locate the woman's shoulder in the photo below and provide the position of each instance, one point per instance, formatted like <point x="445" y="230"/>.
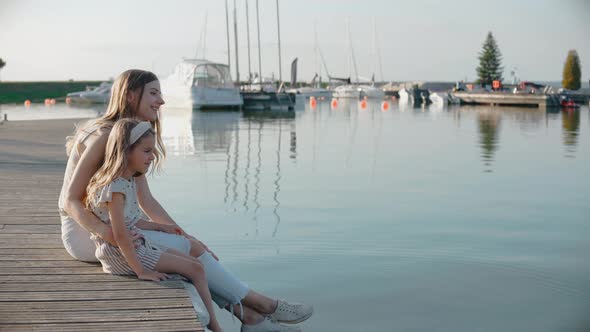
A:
<point x="95" y="136"/>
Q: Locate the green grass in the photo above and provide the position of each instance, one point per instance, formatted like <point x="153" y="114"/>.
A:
<point x="18" y="92"/>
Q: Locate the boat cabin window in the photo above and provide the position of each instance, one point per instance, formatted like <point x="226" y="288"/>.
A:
<point x="213" y="76"/>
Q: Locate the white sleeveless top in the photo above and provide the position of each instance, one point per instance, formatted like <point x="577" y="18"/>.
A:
<point x="75" y="238"/>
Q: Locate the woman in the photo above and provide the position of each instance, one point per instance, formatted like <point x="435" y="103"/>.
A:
<point x="136" y="94"/>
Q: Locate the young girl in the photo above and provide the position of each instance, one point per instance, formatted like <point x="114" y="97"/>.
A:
<point x="112" y="196"/>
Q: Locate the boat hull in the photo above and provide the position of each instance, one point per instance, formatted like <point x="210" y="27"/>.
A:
<point x="268" y="101"/>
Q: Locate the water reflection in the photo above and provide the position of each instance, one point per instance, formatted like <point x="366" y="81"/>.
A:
<point x="250" y="147"/>
<point x="249" y="150"/>
<point x="177" y="132"/>
<point x="488" y="125"/>
<point x="570" y="122"/>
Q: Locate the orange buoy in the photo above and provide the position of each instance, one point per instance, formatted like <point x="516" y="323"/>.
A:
<point x="312" y="102"/>
<point x="334" y="103"/>
<point x="363" y="104"/>
<point x="52" y="101"/>
<point x="27" y="103"/>
<point x="384" y="106"/>
<point x="68" y="100"/>
<point x="47" y="101"/>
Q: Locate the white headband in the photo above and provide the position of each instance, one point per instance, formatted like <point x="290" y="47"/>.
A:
<point x="138" y="131"/>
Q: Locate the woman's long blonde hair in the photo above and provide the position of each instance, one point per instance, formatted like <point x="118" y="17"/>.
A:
<point x="119" y="108"/>
<point x="115" y="160"/>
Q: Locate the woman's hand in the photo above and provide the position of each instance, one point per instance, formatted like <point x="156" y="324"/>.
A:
<point x="152" y="275"/>
<point x="107" y="235"/>
<point x="172" y="229"/>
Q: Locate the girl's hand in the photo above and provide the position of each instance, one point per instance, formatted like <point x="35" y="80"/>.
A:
<point x="152" y="275"/>
<point x="135" y="235"/>
<point x="172" y="229"/>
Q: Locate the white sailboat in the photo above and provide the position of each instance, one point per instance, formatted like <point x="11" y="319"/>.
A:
<point x="201" y="84"/>
<point x="357" y="90"/>
<point x="347" y="91"/>
<point x="371" y="92"/>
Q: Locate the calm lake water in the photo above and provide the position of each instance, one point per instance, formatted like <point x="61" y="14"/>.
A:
<point x="459" y="219"/>
<point x="463" y="219"/>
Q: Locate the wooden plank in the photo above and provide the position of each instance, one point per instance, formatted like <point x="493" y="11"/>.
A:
<point x="40" y="220"/>
<point x="72" y="317"/>
<point x="30" y="229"/>
<point x="28" y="251"/>
<point x="64" y="278"/>
<point x="88" y="286"/>
<point x="51" y="270"/>
<point x="35" y="257"/>
<point x="130" y="304"/>
<point x="55" y="243"/>
<point x="42" y="264"/>
<point x="147" y="326"/>
<point x="94" y="295"/>
<point x="40" y="236"/>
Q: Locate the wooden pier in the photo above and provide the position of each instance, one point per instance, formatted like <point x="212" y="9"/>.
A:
<point x="41" y="287"/>
<point x="507" y="99"/>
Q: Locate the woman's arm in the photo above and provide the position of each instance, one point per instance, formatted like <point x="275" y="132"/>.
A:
<point x="152" y="226"/>
<point x="156" y="212"/>
<point x="124" y="241"/>
<point x="150" y="205"/>
<point x="90" y="160"/>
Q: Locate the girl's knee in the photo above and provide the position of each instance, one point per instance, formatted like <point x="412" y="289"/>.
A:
<point x="197" y="269"/>
<point x="197" y="248"/>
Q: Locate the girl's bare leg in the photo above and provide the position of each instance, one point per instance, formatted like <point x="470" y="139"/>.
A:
<point x="173" y="261"/>
<point x="259" y="302"/>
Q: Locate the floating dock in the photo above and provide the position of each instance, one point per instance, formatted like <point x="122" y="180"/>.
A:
<point x="42" y="288"/>
<point x="508" y="99"/>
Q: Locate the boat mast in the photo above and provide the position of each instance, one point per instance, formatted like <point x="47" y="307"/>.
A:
<point x="205" y="37"/>
<point x="248" y="38"/>
<point x="227" y="30"/>
<point x="279" y="37"/>
<point x="202" y="45"/>
<point x="259" y="58"/>
<point x="317" y="68"/>
<point x="377" y="49"/>
<point x="352" y="51"/>
<point x="236" y="43"/>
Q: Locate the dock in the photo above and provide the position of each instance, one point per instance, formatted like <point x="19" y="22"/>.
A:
<point x="507" y="99"/>
<point x="42" y="288"/>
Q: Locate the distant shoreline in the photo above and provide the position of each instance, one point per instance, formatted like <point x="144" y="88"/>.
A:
<point x="18" y="92"/>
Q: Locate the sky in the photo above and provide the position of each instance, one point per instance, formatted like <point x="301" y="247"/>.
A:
<point x="415" y="40"/>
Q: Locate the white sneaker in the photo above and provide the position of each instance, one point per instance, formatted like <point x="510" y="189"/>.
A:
<point x="269" y="325"/>
<point x="291" y="313"/>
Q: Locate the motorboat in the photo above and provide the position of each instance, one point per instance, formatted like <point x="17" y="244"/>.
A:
<point x="92" y="95"/>
<point x="201" y="84"/>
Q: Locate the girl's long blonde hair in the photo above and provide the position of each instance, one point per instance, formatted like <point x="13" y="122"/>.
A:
<point x="119" y="108"/>
<point x="115" y="161"/>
